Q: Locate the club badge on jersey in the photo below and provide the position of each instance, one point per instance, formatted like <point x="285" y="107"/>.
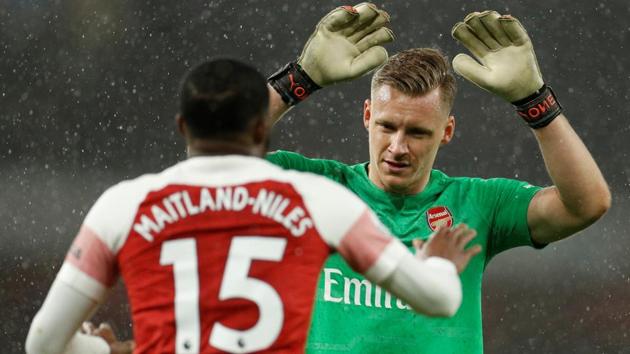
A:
<point x="439" y="216"/>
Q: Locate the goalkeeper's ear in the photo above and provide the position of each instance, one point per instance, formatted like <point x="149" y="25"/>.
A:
<point x="449" y="131"/>
<point x="367" y="113"/>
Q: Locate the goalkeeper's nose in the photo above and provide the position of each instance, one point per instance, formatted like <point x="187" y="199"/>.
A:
<point x="398" y="144"/>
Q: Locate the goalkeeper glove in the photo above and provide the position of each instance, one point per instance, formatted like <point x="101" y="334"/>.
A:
<point x="506" y="65"/>
<point x="346" y="44"/>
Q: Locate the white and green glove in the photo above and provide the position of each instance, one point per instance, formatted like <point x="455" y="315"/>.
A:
<point x="347" y="43"/>
<point x="505" y="65"/>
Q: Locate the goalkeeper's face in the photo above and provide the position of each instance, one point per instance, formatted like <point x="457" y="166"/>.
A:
<point x="405" y="134"/>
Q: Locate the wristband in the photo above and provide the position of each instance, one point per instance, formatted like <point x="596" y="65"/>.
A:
<point x="292" y="83"/>
<point x="539" y="108"/>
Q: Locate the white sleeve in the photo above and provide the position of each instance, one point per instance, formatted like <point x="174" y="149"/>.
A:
<point x="90" y="265"/>
<point x="54" y="328"/>
<point x="431" y="287"/>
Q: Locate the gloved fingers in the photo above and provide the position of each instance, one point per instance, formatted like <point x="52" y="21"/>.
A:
<point x="378" y="23"/>
<point x="339" y="18"/>
<point x="368" y="60"/>
<point x="514" y="30"/>
<point x="370" y="19"/>
<point x="463" y="33"/>
<point x="378" y="37"/>
<point x="471" y="70"/>
<point x="490" y="20"/>
<point x="473" y="21"/>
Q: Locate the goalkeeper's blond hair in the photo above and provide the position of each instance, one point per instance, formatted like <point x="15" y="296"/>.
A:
<point x="416" y="72"/>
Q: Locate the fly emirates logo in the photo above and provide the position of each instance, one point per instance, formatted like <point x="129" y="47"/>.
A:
<point x="359" y="292"/>
<point x="180" y="205"/>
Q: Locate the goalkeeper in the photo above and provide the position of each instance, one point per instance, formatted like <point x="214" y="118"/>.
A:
<point x="408" y="118"/>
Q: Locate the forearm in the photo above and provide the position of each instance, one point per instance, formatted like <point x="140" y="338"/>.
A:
<point x="79" y="343"/>
<point x="54" y="328"/>
<point x="572" y="169"/>
<point x="277" y="107"/>
<point x="578" y="183"/>
<point x="431" y="287"/>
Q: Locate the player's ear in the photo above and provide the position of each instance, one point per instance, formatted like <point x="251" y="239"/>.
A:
<point x="449" y="131"/>
<point x="367" y="113"/>
<point x="181" y="125"/>
<point x="260" y="131"/>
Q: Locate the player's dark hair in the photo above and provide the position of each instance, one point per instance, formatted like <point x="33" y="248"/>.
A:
<point x="417" y="71"/>
<point x="221" y="97"/>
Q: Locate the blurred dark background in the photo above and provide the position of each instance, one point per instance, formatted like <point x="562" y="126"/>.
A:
<point x="88" y="92"/>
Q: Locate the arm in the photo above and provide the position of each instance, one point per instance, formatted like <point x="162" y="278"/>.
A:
<point x="54" y="328"/>
<point x="506" y="66"/>
<point x="430" y="287"/>
<point x="87" y="274"/>
<point x="346" y="44"/>
<point x="277" y="107"/>
<point x="428" y="281"/>
<point x="580" y="194"/>
<point x="430" y="272"/>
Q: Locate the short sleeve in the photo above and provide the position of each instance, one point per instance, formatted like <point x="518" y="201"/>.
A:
<point x="90" y="265"/>
<point x="508" y="201"/>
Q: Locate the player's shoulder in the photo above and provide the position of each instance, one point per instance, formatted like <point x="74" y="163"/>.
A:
<point x="333" y="169"/>
<point x="112" y="214"/>
<point x="119" y="201"/>
<point x="313" y="182"/>
<point x="323" y="195"/>
<point x="284" y="154"/>
<point x="482" y="184"/>
<point x="128" y="188"/>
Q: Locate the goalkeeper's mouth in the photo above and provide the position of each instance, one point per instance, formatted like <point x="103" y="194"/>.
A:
<point x="396" y="166"/>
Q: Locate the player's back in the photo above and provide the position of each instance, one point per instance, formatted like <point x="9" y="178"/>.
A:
<point x="220" y="254"/>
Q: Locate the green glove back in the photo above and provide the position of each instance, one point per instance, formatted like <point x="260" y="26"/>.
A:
<point x="506" y="64"/>
<point x="346" y="44"/>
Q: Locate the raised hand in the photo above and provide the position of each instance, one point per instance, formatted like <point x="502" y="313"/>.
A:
<point x="504" y="60"/>
<point x="346" y="44"/>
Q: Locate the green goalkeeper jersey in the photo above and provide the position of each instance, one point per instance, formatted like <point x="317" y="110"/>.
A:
<point x="352" y="315"/>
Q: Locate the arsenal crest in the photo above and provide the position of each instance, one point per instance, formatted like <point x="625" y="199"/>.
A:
<point x="439" y="216"/>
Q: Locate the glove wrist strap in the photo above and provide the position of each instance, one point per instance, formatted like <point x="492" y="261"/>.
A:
<point x="292" y="83"/>
<point x="540" y="108"/>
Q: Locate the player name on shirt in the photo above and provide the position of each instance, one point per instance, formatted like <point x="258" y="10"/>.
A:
<point x="180" y="205"/>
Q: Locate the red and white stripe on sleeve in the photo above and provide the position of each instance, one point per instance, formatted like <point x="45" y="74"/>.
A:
<point x="90" y="264"/>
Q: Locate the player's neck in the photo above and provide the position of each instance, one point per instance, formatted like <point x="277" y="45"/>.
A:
<point x="411" y="189"/>
<point x="217" y="147"/>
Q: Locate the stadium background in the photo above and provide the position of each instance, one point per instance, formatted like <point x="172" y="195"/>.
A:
<point x="88" y="94"/>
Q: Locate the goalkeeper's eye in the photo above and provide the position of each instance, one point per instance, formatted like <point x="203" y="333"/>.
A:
<point x="388" y="127"/>
<point x="420" y="133"/>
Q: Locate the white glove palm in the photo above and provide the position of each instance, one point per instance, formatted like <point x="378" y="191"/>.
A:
<point x="346" y="44"/>
<point x="508" y="66"/>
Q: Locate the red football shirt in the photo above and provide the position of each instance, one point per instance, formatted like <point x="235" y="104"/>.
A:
<point x="221" y="254"/>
